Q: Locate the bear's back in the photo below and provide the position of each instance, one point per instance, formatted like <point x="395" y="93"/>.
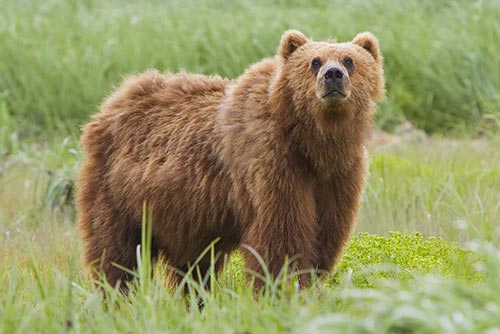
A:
<point x="153" y="109"/>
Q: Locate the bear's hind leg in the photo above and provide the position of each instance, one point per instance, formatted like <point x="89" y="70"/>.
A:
<point x="112" y="246"/>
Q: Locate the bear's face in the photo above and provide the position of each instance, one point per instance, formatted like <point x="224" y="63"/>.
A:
<point x="332" y="74"/>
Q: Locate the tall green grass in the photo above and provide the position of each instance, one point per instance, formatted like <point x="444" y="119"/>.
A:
<point x="437" y="187"/>
<point x="59" y="59"/>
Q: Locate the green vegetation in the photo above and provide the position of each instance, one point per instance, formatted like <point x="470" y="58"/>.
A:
<point x="58" y="59"/>
<point x="369" y="258"/>
<point x="438" y="274"/>
<point x="444" y="187"/>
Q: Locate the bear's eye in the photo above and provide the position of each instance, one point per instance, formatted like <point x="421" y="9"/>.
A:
<point x="316" y="64"/>
<point x="349" y="65"/>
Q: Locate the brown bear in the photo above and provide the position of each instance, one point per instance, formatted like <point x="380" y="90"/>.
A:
<point x="274" y="160"/>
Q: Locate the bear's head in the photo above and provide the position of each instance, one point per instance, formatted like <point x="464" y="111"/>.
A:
<point x="332" y="76"/>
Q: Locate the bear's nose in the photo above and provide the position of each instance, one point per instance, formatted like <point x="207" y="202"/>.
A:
<point x="334" y="79"/>
<point x="334" y="74"/>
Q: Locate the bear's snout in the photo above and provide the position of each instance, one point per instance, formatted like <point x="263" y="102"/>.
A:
<point x="333" y="82"/>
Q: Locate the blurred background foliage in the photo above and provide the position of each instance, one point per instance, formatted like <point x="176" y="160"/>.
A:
<point x="59" y="59"/>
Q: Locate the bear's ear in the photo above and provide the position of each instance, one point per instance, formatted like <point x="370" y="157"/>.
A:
<point x="290" y="41"/>
<point x="368" y="42"/>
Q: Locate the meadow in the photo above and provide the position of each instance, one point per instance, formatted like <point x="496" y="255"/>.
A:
<point x="424" y="256"/>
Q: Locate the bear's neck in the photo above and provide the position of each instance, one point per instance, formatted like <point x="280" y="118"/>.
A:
<point x="329" y="139"/>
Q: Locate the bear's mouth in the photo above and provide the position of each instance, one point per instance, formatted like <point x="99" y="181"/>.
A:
<point x="334" y="93"/>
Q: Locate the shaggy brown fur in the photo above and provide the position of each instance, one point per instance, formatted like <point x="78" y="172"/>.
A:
<point x="267" y="160"/>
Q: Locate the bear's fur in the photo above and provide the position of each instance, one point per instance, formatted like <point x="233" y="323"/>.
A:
<point x="274" y="160"/>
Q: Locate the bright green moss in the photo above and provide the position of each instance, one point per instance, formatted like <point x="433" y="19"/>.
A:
<point x="369" y="258"/>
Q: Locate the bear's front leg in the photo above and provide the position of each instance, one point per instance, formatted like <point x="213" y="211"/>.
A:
<point x="338" y="200"/>
<point x="284" y="226"/>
